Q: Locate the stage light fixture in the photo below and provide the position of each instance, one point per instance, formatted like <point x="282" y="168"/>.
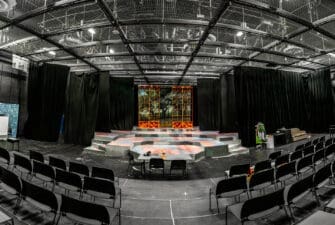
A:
<point x="239" y="33"/>
<point x="53" y="53"/>
<point x="111" y="51"/>
<point x="91" y="31"/>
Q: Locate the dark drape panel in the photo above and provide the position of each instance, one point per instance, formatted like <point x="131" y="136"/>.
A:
<point x="103" y="117"/>
<point x="282" y="99"/>
<point x="228" y="104"/>
<point x="122" y="103"/>
<point x="195" y="106"/>
<point x="135" y="105"/>
<point x="46" y="98"/>
<point x="208" y="104"/>
<point x="81" y="108"/>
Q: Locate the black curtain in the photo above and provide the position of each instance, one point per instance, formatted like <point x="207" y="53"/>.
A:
<point x="228" y="104"/>
<point x="282" y="99"/>
<point x="103" y="116"/>
<point x="122" y="103"/>
<point x="81" y="108"/>
<point x="46" y="98"/>
<point x="195" y="106"/>
<point x="209" y="113"/>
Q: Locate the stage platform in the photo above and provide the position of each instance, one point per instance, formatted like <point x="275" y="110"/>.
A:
<point x="193" y="144"/>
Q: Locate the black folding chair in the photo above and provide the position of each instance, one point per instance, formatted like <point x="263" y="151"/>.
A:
<point x="296" y="155"/>
<point x="40" y="198"/>
<point x="275" y="155"/>
<point x="262" y="165"/>
<point x="104" y="174"/>
<point x="319" y="146"/>
<point x="33" y="155"/>
<point x="44" y="172"/>
<point x="308" y="150"/>
<point x="180" y="165"/>
<point x="320" y="179"/>
<point x="238" y="170"/>
<point x="57" y="163"/>
<point x="260" y="207"/>
<point x="12" y="185"/>
<point x="23" y="165"/>
<point x="4" y="157"/>
<point x="329" y="142"/>
<point x="299" y="147"/>
<point x="69" y="181"/>
<point x="285" y="172"/>
<point x="102" y="188"/>
<point x="83" y="212"/>
<point x="318" y="158"/>
<point x="307" y="144"/>
<point x="303" y="165"/>
<point x="156" y="164"/>
<point x="79" y="168"/>
<point x="282" y="160"/>
<point x="228" y="188"/>
<point x="261" y="180"/>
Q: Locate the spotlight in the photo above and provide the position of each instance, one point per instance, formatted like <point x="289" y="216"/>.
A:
<point x="53" y="53"/>
<point x="111" y="51"/>
<point x="239" y="33"/>
<point x="91" y="31"/>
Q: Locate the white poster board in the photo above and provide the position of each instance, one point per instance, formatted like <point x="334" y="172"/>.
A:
<point x="20" y="63"/>
<point x="4" y="120"/>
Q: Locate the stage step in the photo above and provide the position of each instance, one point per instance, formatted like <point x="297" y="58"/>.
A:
<point x="95" y="150"/>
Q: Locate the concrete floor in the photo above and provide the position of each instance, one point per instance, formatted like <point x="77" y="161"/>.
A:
<point x="160" y="202"/>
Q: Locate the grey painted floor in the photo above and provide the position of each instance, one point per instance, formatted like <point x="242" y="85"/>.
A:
<point x="159" y="202"/>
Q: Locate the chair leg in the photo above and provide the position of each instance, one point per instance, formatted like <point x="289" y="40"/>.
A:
<point x="217" y="205"/>
<point x="226" y="215"/>
<point x="210" y="199"/>
<point x="291" y="212"/>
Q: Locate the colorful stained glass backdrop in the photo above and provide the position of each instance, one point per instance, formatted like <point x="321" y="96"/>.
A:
<point x="165" y="106"/>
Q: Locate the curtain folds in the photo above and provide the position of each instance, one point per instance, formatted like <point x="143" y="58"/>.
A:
<point x="282" y="99"/>
<point x="46" y="99"/>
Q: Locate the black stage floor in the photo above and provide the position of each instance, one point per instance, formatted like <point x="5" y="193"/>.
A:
<point x="152" y="202"/>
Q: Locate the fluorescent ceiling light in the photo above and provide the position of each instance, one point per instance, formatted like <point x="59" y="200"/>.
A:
<point x="91" y="30"/>
<point x="52" y="53"/>
<point x="239" y="33"/>
<point x="331" y="54"/>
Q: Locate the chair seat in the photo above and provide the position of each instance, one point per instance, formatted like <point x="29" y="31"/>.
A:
<point x="230" y="194"/>
<point x="331" y="204"/>
<point x="261" y="186"/>
<point x="38" y="205"/>
<point x="236" y="211"/>
<point x="4" y="218"/>
<point x="111" y="211"/>
<point x="44" y="178"/>
<point x="68" y="187"/>
<point x="8" y="189"/>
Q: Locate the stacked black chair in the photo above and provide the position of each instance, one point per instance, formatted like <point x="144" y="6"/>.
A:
<point x="4" y="157"/>
<point x="69" y="181"/>
<point x="101" y="188"/>
<point x="180" y="165"/>
<point x="23" y="165"/>
<point x="275" y="155"/>
<point x="40" y="198"/>
<point x="79" y="168"/>
<point x="104" y="173"/>
<point x="228" y="188"/>
<point x="262" y="165"/>
<point x="308" y="150"/>
<point x="86" y="212"/>
<point x="252" y="209"/>
<point x="294" y="192"/>
<point x="33" y="155"/>
<point x="11" y="184"/>
<point x="261" y="180"/>
<point x="57" y="163"/>
<point x="282" y="160"/>
<point x="296" y="155"/>
<point x="44" y="172"/>
<point x="285" y="172"/>
<point x="238" y="170"/>
<point x="156" y="164"/>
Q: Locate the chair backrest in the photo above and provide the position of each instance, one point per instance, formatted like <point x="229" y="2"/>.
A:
<point x="268" y="202"/>
<point x="23" y="162"/>
<point x="329" y="142"/>
<point x="242" y="169"/>
<point x="69" y="178"/>
<point x="103" y="173"/>
<point x="318" y="146"/>
<point x="261" y="178"/>
<point x="11" y="180"/>
<point x="322" y="175"/>
<point x="309" y="143"/>
<point x="295" y="155"/>
<point x="298" y="188"/>
<point x="4" y="154"/>
<point x="282" y="160"/>
<point x="262" y="165"/>
<point x="308" y="150"/>
<point x="285" y="169"/>
<point x="57" y="163"/>
<point x="156" y="163"/>
<point x="231" y="184"/>
<point x="315" y="141"/>
<point x="299" y="147"/>
<point x="33" y="155"/>
<point x="322" y="139"/>
<point x="79" y="168"/>
<point x="275" y="155"/>
<point x="318" y="155"/>
<point x="178" y="164"/>
<point x="304" y="162"/>
<point x="84" y="210"/>
<point x="330" y="150"/>
<point x="99" y="185"/>
<point x="44" y="169"/>
<point x="40" y="195"/>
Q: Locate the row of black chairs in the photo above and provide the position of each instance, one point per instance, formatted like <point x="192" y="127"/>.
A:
<point x="283" y="198"/>
<point x="47" y="201"/>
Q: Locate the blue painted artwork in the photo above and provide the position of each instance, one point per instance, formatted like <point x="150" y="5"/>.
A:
<point x="12" y="110"/>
